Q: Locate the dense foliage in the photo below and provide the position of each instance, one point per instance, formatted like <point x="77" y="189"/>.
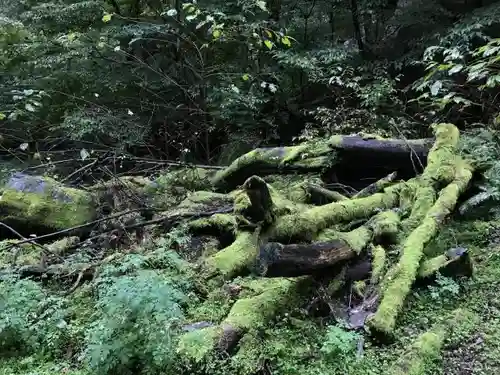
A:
<point x="181" y="80"/>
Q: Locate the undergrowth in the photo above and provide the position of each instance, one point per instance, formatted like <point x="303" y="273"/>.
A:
<point x="129" y="318"/>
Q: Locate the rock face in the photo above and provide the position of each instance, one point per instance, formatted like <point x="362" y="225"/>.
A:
<point x="40" y="204"/>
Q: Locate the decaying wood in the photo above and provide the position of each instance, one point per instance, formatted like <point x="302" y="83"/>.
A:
<point x="319" y="195"/>
<point x="278" y="260"/>
<point x="347" y="154"/>
<point x="377" y="186"/>
<point x="291" y="242"/>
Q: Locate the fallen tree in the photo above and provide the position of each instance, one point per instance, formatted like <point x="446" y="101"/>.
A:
<point x="307" y="240"/>
<point x="281" y="236"/>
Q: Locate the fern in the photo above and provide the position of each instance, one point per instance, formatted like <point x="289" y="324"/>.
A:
<point x="136" y="323"/>
<point x="30" y="319"/>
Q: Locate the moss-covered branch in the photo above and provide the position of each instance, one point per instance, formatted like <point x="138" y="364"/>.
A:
<point x="426" y="349"/>
<point x="345" y="152"/>
<point x="397" y="285"/>
<point x="307" y="224"/>
<point x="268" y="298"/>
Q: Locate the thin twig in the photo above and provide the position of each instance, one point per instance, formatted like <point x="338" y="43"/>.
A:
<point x="85" y="167"/>
<point x="25" y="240"/>
<point x="63" y="231"/>
<point x="168" y="220"/>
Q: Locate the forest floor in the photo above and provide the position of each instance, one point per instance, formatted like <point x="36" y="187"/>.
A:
<point x="296" y="344"/>
<point x="132" y="315"/>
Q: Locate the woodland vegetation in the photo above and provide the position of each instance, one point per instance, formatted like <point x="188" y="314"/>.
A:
<point x="249" y="187"/>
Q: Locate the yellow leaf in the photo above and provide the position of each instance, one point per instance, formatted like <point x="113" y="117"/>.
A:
<point x="216" y="34"/>
<point x="269" y="34"/>
<point x="71" y="36"/>
<point x="245" y="77"/>
<point x="106" y="17"/>
<point x="268" y="44"/>
<point x="286" y="41"/>
<point x="2" y="116"/>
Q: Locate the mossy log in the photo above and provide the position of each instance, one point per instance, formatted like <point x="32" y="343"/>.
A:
<point x="36" y="204"/>
<point x="455" y="262"/>
<point x="376" y="186"/>
<point x="278" y="260"/>
<point x="268" y="298"/>
<point x="398" y="286"/>
<point x="348" y="154"/>
<point x="426" y="349"/>
<point x="333" y="247"/>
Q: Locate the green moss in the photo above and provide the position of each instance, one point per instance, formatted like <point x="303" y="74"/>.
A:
<point x="431" y="266"/>
<point x="424" y="351"/>
<point x="214" y="308"/>
<point x="443" y="157"/>
<point x="426" y="196"/>
<point x="27" y="254"/>
<point x="311" y="155"/>
<point x="440" y="170"/>
<point x="217" y="222"/>
<point x="281" y="205"/>
<point x="256" y="311"/>
<point x="60" y="246"/>
<point x="197" y="345"/>
<point x="293" y="187"/>
<point x="385" y="225"/>
<point x="378" y="263"/>
<point x="308" y="223"/>
<point x="401" y="277"/>
<point x="56" y="207"/>
<point x="358" y="238"/>
<point x="236" y="257"/>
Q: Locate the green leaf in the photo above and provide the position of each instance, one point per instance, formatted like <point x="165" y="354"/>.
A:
<point x="106" y="18"/>
<point x="2" y="116"/>
<point x="244" y="77"/>
<point x="286" y="41"/>
<point x="29" y="107"/>
<point x="268" y="44"/>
